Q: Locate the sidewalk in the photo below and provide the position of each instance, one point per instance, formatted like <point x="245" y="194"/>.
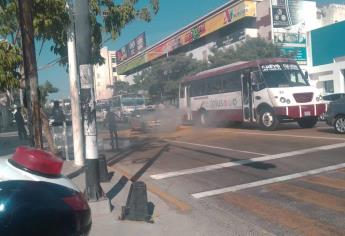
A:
<point x="167" y="221"/>
<point x="171" y="215"/>
<point x="9" y="141"/>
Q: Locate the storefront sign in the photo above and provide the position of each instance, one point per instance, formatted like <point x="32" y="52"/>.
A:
<point x="289" y="38"/>
<point x="131" y="49"/>
<point x="219" y="20"/>
<point x="121" y="69"/>
<point x="231" y="38"/>
<point x="299" y="54"/>
<point x="288" y="28"/>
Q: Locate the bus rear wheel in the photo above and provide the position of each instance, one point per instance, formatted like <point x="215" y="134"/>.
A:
<point x="203" y="118"/>
<point x="307" y="122"/>
<point x="267" y="120"/>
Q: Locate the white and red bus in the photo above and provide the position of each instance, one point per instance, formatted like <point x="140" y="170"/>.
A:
<point x="267" y="92"/>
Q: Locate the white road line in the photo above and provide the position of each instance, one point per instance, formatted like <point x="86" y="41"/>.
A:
<point x="246" y="161"/>
<point x="214" y="147"/>
<point x="267" y="181"/>
<point x="8" y="134"/>
<point x="285" y="135"/>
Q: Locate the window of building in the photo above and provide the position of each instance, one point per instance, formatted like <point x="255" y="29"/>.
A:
<point x="328" y="86"/>
<point x="113" y="60"/>
<point x="114" y="69"/>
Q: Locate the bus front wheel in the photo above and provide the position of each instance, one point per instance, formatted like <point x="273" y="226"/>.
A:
<point x="267" y="120"/>
<point x="307" y="122"/>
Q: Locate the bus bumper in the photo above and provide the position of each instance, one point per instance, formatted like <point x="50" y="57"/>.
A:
<point x="300" y="111"/>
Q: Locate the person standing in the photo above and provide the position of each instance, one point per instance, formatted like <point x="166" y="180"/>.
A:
<point x="111" y="120"/>
<point x="20" y="124"/>
<point x="57" y="114"/>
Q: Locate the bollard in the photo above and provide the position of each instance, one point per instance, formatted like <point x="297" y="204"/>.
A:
<point x="103" y="170"/>
<point x="137" y="208"/>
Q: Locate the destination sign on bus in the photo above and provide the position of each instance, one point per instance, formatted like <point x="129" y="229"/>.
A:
<point x="271" y="67"/>
<point x="290" y="67"/>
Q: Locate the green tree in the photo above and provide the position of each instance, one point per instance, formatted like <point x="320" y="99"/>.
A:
<point x="46" y="89"/>
<point x="122" y="87"/>
<point x="51" y="20"/>
<point x="161" y="80"/>
<point x="251" y="49"/>
<point x="10" y="59"/>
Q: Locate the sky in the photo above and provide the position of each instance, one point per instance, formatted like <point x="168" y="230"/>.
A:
<point x="172" y="15"/>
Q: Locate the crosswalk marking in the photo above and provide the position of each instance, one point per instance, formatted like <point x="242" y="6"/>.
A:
<point x="266" y="181"/>
<point x="214" y="147"/>
<point x="246" y="161"/>
<point x="310" y="196"/>
<point x="326" y="181"/>
<point x="293" y="220"/>
<point x="286" y="135"/>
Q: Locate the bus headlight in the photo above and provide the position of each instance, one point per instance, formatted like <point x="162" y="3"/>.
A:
<point x="319" y="98"/>
<point x="288" y="101"/>
<point x="282" y="100"/>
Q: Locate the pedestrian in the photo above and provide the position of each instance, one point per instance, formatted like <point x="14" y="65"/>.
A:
<point x="20" y="124"/>
<point x="111" y="120"/>
<point x="57" y="114"/>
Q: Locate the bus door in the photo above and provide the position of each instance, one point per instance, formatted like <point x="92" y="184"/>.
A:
<point x="189" y="104"/>
<point x="247" y="97"/>
<point x="185" y="101"/>
<point x="188" y="96"/>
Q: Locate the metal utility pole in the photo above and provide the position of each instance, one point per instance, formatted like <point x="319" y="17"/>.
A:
<point x="30" y="69"/>
<point x="77" y="128"/>
<point x="93" y="190"/>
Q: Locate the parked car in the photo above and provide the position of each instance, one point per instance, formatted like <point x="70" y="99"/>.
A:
<point x="335" y="115"/>
<point x="333" y="97"/>
<point x="330" y="98"/>
<point x="35" y="199"/>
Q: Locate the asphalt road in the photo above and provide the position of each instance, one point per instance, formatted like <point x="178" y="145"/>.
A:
<point x="242" y="181"/>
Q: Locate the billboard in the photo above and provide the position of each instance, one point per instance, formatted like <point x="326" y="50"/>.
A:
<point x="219" y="20"/>
<point x="131" y="49"/>
<point x="225" y="17"/>
<point x="288" y="28"/>
<point x="327" y="43"/>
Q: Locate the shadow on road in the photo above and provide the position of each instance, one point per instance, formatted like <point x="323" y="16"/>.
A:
<point x="9" y="144"/>
<point x="116" y="189"/>
<point x="329" y="131"/>
<point x="256" y="165"/>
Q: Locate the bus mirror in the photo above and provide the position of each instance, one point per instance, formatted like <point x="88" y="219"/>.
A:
<point x="306" y="75"/>
<point x="253" y="78"/>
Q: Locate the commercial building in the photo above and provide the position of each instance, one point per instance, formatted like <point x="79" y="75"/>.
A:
<point x="331" y="13"/>
<point x="284" y="22"/>
<point x="105" y="75"/>
<point x="326" y="58"/>
<point x="228" y="24"/>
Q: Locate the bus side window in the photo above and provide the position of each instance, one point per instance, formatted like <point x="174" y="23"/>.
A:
<point x="231" y="82"/>
<point x="213" y="85"/>
<point x="198" y="88"/>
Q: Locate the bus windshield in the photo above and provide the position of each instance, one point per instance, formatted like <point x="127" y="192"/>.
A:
<point x="283" y="75"/>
